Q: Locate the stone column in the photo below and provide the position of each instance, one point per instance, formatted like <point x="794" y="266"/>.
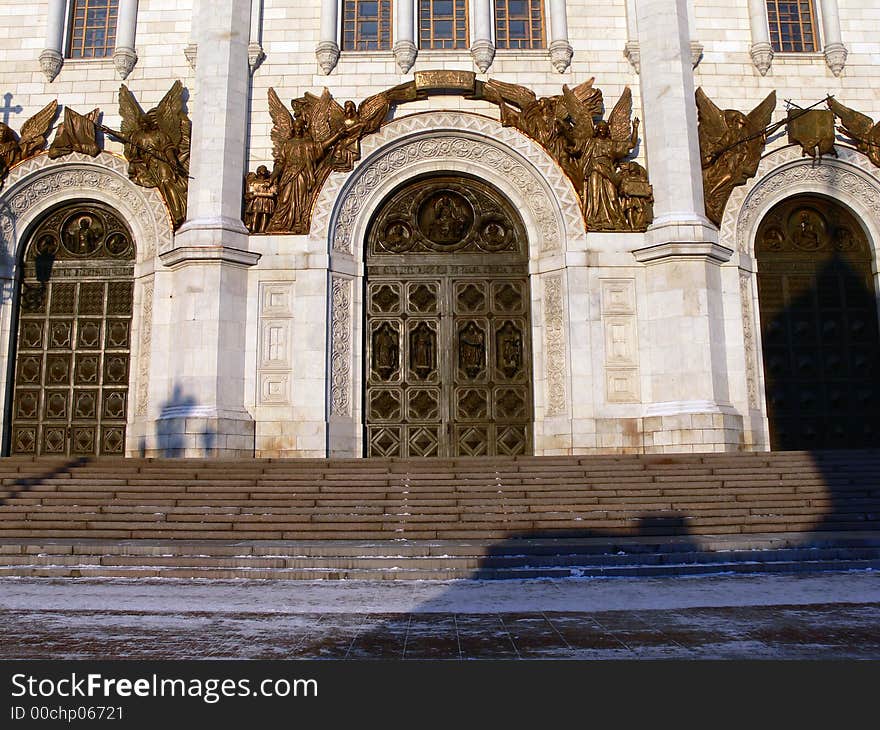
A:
<point x="835" y="51"/>
<point x="327" y="50"/>
<point x="255" y="47"/>
<point x="204" y="412"/>
<point x="482" y="49"/>
<point x="688" y="402"/>
<point x="631" y="48"/>
<point x="51" y="59"/>
<point x="124" y="55"/>
<point x="560" y="49"/>
<point x="405" y="50"/>
<point x="761" y="51"/>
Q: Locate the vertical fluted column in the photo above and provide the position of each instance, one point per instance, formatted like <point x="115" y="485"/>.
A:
<point x="327" y="50"/>
<point x="51" y="59"/>
<point x="124" y="55"/>
<point x="483" y="48"/>
<point x="560" y="49"/>
<point x="835" y="51"/>
<point x="761" y="51"/>
<point x="631" y="49"/>
<point x="209" y="259"/>
<point x="405" y="50"/>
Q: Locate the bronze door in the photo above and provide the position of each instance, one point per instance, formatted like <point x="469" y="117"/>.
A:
<point x="819" y="329"/>
<point x="74" y="330"/>
<point x="448" y="353"/>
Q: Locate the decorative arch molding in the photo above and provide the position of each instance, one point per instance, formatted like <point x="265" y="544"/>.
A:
<point x="38" y="184"/>
<point x="453" y="142"/>
<point x="850" y="179"/>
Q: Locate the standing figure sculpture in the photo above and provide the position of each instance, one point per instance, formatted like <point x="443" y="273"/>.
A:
<point x="78" y="133"/>
<point x="318" y="138"/>
<point x="600" y="147"/>
<point x="34" y="132"/>
<point x="157" y="146"/>
<point x="730" y="148"/>
<point x="259" y="197"/>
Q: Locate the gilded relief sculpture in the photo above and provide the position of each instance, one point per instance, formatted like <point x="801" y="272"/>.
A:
<point x="157" y="146"/>
<point x="599" y="149"/>
<point x="730" y="148"/>
<point x="78" y="133"/>
<point x="319" y="137"/>
<point x="861" y="130"/>
<point x="16" y="148"/>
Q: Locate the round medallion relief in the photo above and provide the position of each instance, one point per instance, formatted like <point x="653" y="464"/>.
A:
<point x="445" y="217"/>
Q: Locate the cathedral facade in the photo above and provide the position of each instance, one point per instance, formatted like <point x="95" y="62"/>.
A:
<point x="388" y="228"/>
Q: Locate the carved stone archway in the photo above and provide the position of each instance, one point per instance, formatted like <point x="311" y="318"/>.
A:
<point x="850" y="179"/>
<point x="451" y="143"/>
<point x="39" y="184"/>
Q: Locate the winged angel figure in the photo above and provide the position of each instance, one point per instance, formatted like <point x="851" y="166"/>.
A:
<point x="34" y="134"/>
<point x="861" y="130"/>
<point x="157" y="146"/>
<point x="319" y="137"/>
<point x="599" y="148"/>
<point x="546" y="120"/>
<point x="730" y="148"/>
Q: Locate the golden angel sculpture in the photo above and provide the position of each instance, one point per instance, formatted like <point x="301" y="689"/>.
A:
<point x="863" y="133"/>
<point x="77" y="133"/>
<point x="600" y="148"/>
<point x="730" y="148"/>
<point x="546" y="119"/>
<point x="319" y="137"/>
<point x="15" y="148"/>
<point x="157" y="146"/>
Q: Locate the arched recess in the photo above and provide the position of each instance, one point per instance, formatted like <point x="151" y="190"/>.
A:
<point x="470" y="145"/>
<point x="40" y="184"/>
<point x="851" y="180"/>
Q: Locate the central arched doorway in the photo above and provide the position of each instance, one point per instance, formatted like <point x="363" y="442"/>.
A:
<point x="448" y="368"/>
<point x="71" y="374"/>
<point x="819" y="330"/>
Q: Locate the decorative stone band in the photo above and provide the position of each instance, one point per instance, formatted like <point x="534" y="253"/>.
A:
<point x="450" y="140"/>
<point x="554" y="344"/>
<point x="341" y="346"/>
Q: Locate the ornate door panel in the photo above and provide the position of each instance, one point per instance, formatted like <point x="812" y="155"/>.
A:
<point x="74" y="331"/>
<point x="820" y="337"/>
<point x="448" y="355"/>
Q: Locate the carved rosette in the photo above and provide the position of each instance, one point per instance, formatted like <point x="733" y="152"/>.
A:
<point x="144" y="349"/>
<point x="554" y="344"/>
<point x="340" y="356"/>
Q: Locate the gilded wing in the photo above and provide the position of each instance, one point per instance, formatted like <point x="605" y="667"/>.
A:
<point x="856" y="124"/>
<point x="759" y="117"/>
<point x="372" y="112"/>
<point x="713" y="126"/>
<point x="35" y="130"/>
<point x="619" y="123"/>
<point x="172" y="118"/>
<point x="578" y="111"/>
<point x="324" y="114"/>
<point x="500" y="91"/>
<point x="130" y="111"/>
<point x="282" y="123"/>
<point x="589" y="97"/>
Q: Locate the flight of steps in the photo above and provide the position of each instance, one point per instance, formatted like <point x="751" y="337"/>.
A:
<point x="440" y="518"/>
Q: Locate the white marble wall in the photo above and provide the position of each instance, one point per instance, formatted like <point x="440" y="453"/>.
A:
<point x="617" y="376"/>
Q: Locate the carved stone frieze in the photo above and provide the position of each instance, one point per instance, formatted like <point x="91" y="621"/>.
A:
<point x="144" y="349"/>
<point x="341" y="347"/>
<point x="748" y="325"/>
<point x="554" y="344"/>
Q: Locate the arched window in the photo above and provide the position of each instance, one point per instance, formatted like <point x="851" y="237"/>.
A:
<point x="792" y="26"/>
<point x="443" y="24"/>
<point x="92" y="28"/>
<point x="366" y="25"/>
<point x="519" y="24"/>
